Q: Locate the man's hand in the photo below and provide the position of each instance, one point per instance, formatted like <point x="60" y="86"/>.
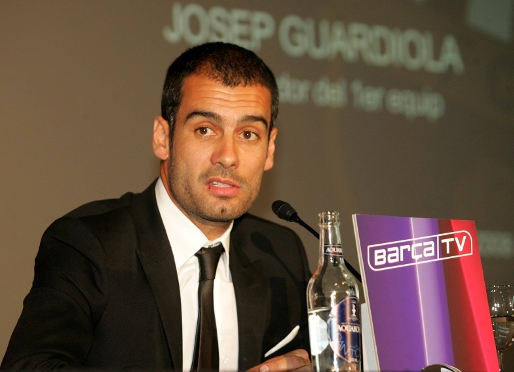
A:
<point x="296" y="360"/>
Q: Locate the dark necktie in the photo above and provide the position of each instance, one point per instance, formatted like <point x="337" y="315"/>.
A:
<point x="206" y="354"/>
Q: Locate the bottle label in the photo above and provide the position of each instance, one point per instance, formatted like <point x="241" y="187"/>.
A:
<point x="344" y="329"/>
<point x="318" y="331"/>
<point x="333" y="250"/>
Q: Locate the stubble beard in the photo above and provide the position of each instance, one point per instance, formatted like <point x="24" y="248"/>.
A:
<point x="182" y="190"/>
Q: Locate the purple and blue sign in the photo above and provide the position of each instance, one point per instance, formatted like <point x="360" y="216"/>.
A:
<point x="425" y="291"/>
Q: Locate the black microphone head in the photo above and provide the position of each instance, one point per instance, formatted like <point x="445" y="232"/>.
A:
<point x="284" y="211"/>
<point x="277" y="204"/>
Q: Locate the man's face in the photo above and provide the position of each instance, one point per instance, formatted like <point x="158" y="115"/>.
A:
<point x="220" y="149"/>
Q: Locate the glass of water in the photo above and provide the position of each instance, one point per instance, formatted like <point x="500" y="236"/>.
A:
<point x="501" y="308"/>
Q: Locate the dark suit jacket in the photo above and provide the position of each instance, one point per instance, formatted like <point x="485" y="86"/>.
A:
<point x="106" y="293"/>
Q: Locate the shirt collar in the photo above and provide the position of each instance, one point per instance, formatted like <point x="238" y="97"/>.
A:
<point x="184" y="236"/>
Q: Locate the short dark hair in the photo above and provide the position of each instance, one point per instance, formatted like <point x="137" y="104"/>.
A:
<point x="226" y="63"/>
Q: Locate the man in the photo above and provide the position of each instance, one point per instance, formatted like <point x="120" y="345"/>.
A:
<point x="116" y="281"/>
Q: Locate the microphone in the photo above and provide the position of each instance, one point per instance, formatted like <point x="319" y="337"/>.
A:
<point x="286" y="212"/>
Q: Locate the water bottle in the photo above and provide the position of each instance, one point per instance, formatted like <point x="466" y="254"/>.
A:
<point x="333" y="305"/>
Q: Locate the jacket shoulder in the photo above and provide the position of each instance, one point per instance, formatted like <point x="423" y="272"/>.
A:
<point x="258" y="223"/>
<point x="266" y="235"/>
<point x="98" y="207"/>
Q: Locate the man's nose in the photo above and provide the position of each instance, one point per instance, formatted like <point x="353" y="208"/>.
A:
<point x="225" y="153"/>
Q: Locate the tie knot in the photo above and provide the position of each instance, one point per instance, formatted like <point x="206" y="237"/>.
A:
<point x="208" y="259"/>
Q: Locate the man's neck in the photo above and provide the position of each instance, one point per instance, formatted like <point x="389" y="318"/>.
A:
<point x="212" y="230"/>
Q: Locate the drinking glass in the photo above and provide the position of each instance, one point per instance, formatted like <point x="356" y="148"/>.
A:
<point x="501" y="308"/>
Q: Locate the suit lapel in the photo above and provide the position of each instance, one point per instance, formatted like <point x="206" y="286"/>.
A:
<point x="250" y="282"/>
<point x="159" y="266"/>
<point x="252" y="299"/>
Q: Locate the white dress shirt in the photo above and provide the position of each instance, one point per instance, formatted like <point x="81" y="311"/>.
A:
<point x="185" y="240"/>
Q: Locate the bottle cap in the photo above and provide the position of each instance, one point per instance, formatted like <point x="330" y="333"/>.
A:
<point x="330" y="217"/>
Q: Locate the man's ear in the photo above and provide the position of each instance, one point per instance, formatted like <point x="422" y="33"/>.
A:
<point x="161" y="138"/>
<point x="271" y="150"/>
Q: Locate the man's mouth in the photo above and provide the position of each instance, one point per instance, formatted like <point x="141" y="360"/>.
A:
<point x="223" y="188"/>
<point x="220" y="184"/>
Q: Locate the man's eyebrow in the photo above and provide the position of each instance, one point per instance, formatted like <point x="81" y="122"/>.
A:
<point x="253" y="119"/>
<point x="205" y="114"/>
<point x="212" y="115"/>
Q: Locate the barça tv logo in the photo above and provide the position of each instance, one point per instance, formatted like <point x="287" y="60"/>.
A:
<point x="392" y="255"/>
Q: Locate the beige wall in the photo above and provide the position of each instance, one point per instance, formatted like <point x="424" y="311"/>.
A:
<point x="80" y="85"/>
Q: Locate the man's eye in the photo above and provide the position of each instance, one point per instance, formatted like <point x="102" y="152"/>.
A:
<point x="249" y="135"/>
<point x="204" y="131"/>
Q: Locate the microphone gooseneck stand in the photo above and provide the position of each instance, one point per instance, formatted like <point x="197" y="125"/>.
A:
<point x="286" y="212"/>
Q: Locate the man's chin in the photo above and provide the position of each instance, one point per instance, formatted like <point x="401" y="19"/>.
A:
<point x="224" y="213"/>
<point x="222" y="217"/>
